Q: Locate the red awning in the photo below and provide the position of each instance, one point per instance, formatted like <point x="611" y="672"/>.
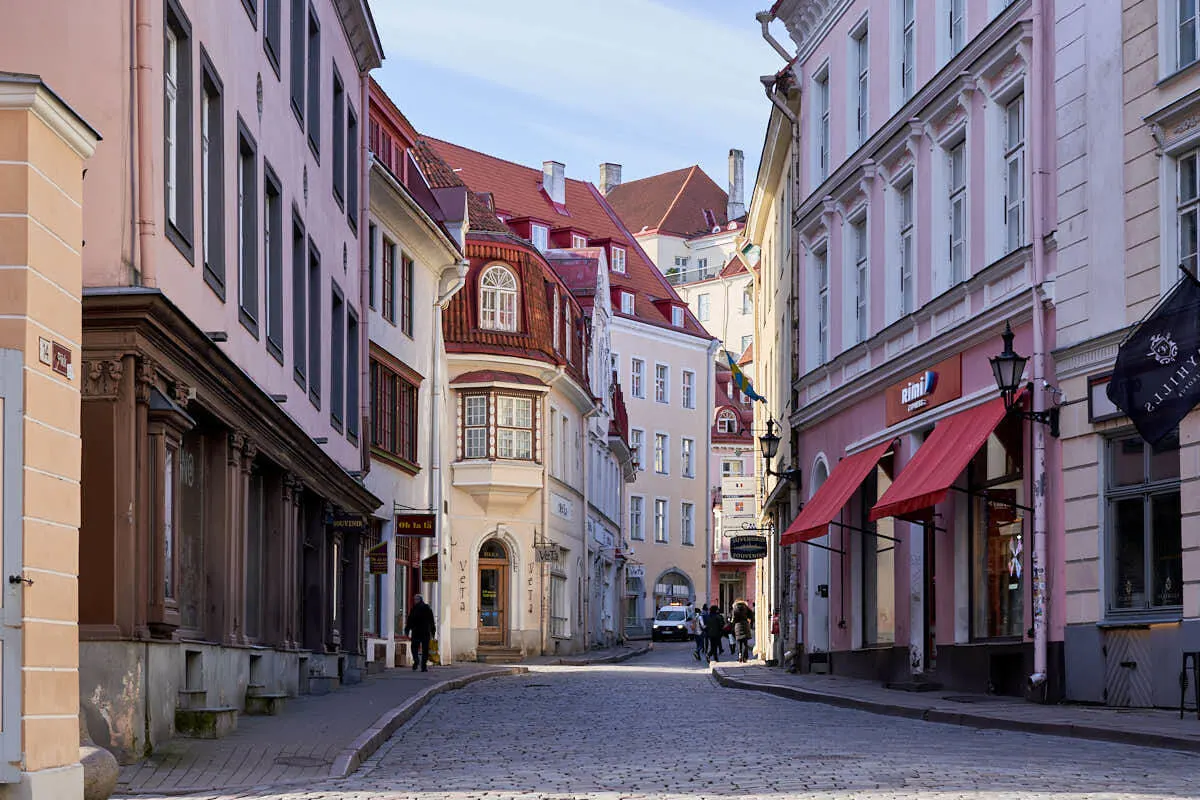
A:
<point x="833" y="495"/>
<point x="926" y="479"/>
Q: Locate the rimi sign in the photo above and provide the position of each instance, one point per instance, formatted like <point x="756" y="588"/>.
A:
<point x="927" y="389"/>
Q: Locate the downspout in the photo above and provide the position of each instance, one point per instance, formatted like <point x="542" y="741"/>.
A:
<point x="452" y="283"/>
<point x="1038" y="679"/>
<point x="143" y="205"/>
<point x="544" y="613"/>
<point x="764" y="18"/>
<point x="364" y="232"/>
<point x="711" y="393"/>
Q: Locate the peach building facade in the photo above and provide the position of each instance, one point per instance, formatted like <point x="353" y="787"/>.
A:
<point x="44" y="147"/>
<point x="223" y="353"/>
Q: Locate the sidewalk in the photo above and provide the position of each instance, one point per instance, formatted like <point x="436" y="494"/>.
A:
<point x="609" y="655"/>
<point x="315" y="737"/>
<point x="1145" y="727"/>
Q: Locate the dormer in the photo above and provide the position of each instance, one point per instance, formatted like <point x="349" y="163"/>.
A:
<point x="623" y="299"/>
<point x="535" y="230"/>
<point x="673" y="310"/>
<point x="568" y="237"/>
<point x="616" y="253"/>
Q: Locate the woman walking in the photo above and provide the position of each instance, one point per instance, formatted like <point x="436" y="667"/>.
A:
<point x="743" y="627"/>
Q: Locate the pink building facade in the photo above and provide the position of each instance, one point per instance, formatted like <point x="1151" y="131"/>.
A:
<point x="223" y="351"/>
<point x="921" y="229"/>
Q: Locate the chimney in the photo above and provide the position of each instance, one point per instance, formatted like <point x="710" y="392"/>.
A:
<point x="610" y="176"/>
<point x="736" y="207"/>
<point x="554" y="181"/>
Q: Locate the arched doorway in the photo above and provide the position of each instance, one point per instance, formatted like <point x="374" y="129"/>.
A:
<point x="493" y="593"/>
<point x="671" y="587"/>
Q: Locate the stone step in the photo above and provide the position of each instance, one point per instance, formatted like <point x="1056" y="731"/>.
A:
<point x="265" y="703"/>
<point x="192" y="698"/>
<point x="498" y="655"/>
<point x="322" y="684"/>
<point x="206" y="723"/>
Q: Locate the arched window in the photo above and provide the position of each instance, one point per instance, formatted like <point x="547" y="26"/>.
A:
<point x="498" y="299"/>
<point x="726" y="422"/>
<point x="493" y="549"/>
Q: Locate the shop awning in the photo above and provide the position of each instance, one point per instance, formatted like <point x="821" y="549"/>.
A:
<point x="927" y="478"/>
<point x="827" y="503"/>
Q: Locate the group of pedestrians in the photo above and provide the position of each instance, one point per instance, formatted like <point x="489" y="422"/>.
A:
<point x="709" y="627"/>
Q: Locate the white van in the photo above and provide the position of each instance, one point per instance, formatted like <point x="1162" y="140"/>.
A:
<point x="672" y="622"/>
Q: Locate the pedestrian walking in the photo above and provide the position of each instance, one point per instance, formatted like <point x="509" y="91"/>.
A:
<point x="743" y="627"/>
<point x="696" y="629"/>
<point x="714" y="628"/>
<point x="420" y="627"/>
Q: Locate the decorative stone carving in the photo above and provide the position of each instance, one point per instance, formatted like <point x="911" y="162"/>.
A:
<point x="182" y="394"/>
<point x="237" y="441"/>
<point x="249" y="452"/>
<point x="147" y="374"/>
<point x="103" y="379"/>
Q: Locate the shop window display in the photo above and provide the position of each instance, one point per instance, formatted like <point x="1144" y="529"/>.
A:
<point x="999" y="541"/>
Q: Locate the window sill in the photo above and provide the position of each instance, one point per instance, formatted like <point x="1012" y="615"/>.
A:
<point x="1142" y="619"/>
<point x="1171" y="77"/>
<point x="298" y="377"/>
<point x="275" y="349"/>
<point x="248" y="322"/>
<point x="399" y="462"/>
<point x="182" y="242"/>
<point x="215" y="281"/>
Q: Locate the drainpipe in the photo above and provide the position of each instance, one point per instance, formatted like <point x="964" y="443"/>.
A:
<point x="764" y="18"/>
<point x="452" y="281"/>
<point x="1038" y="179"/>
<point x="710" y="389"/>
<point x="143" y="204"/>
<point x="364" y="231"/>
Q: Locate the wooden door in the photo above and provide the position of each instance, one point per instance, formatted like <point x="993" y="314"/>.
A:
<point x="493" y="594"/>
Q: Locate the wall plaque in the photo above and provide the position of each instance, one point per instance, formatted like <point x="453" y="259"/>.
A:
<point x="928" y="389"/>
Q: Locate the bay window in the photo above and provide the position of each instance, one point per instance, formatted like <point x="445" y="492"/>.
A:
<point x="498" y="425"/>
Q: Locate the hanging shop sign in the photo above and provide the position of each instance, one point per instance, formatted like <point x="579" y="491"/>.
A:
<point x="635" y="570"/>
<point x="377" y="559"/>
<point x="429" y="569"/>
<point x="748" y="547"/>
<point x="546" y="553"/>
<point x="928" y="389"/>
<point x="1156" y="379"/>
<point x="347" y="522"/>
<point x="415" y="525"/>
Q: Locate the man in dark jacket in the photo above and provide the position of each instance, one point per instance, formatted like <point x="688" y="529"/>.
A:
<point x="714" y="629"/>
<point x="420" y="628"/>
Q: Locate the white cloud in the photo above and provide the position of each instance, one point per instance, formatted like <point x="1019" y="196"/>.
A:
<point x="639" y="61"/>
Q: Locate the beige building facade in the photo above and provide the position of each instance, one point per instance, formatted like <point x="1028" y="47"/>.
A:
<point x="44" y="147"/>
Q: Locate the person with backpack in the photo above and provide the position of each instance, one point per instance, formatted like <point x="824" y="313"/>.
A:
<point x="714" y="628"/>
<point x="696" y="628"/>
<point x="743" y="626"/>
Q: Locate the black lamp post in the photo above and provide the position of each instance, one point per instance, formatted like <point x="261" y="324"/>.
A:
<point x="1007" y="368"/>
<point x="769" y="442"/>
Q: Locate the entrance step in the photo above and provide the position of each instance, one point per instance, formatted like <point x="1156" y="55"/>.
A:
<point x="322" y="684"/>
<point x="265" y="703"/>
<point x="498" y="655"/>
<point x="206" y="723"/>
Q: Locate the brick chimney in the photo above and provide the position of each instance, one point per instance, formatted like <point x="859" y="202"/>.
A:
<point x="610" y="176"/>
<point x="736" y="207"/>
<point x="554" y="181"/>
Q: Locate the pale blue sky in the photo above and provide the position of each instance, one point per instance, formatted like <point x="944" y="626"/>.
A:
<point x="653" y="85"/>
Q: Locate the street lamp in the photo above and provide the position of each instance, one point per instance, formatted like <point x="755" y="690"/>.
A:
<point x="1007" y="368"/>
<point x="769" y="443"/>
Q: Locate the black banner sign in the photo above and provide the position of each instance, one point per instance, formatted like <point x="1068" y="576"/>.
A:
<point x="1156" y="380"/>
<point x="748" y="548"/>
<point x="347" y="522"/>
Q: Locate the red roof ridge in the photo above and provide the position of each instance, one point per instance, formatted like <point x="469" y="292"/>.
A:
<point x="678" y="194"/>
<point x="486" y="155"/>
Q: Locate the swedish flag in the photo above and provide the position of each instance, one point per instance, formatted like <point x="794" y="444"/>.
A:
<point x="741" y="381"/>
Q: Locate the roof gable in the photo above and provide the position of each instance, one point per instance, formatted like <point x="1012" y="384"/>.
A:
<point x="673" y="202"/>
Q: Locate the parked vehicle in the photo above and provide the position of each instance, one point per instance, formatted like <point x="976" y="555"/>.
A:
<point x="671" y="622"/>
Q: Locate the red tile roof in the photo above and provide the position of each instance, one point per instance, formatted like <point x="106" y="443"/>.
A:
<point x="436" y="171"/>
<point x="517" y="193"/>
<point x="496" y="376"/>
<point x="735" y="266"/>
<point x="673" y="202"/>
<point x="747" y="356"/>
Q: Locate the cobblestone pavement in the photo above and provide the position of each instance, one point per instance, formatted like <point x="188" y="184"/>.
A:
<point x="660" y="727"/>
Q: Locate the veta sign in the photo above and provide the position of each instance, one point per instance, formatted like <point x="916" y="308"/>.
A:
<point x="748" y="548"/>
<point x="927" y="389"/>
<point x="415" y="525"/>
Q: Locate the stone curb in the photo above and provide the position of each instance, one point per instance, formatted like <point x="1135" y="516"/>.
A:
<point x="1162" y="741"/>
<point x="375" y="736"/>
<point x="613" y="659"/>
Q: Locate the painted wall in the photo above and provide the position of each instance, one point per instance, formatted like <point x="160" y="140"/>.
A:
<point x="728" y="319"/>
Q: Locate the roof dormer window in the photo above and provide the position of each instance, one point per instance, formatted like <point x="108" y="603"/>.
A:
<point x="578" y="242"/>
<point x="498" y="299"/>
<point x="677" y="316"/>
<point x="618" y="260"/>
<point x="626" y="302"/>
<point x="540" y="236"/>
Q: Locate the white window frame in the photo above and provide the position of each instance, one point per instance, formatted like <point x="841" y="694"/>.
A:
<point x="905" y="25"/>
<point x="1014" y="165"/>
<point x="637" y="517"/>
<point x="703" y="306"/>
<point x="171" y="99"/>
<point x="958" y="219"/>
<point x="539" y="235"/>
<point x="473" y="404"/>
<point x="662" y="453"/>
<point x="956" y="26"/>
<point x="1175" y="29"/>
<point x="509" y="418"/>
<point x="578" y="242"/>
<point x="821" y="156"/>
<point x="732" y="468"/>
<point x="821" y="304"/>
<point x="637" y="442"/>
<point x="677" y="316"/>
<point x="906" y="246"/>
<point x="687" y="520"/>
<point x="860" y="89"/>
<point x="618" y="261"/>
<point x="662" y="520"/>
<point x="637" y="377"/>
<point x="747" y="340"/>
<point x="748" y="299"/>
<point x="858" y="276"/>
<point x="627" y="302"/>
<point x="688" y="388"/>
<point x="1187" y="209"/>
<point x="726" y="421"/>
<point x="499" y="313"/>
<point x="662" y="383"/>
<point x="687" y="454"/>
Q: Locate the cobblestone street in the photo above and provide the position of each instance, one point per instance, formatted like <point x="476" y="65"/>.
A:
<point x="660" y="727"/>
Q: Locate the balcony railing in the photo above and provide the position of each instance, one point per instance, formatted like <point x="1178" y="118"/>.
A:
<point x="676" y="276"/>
